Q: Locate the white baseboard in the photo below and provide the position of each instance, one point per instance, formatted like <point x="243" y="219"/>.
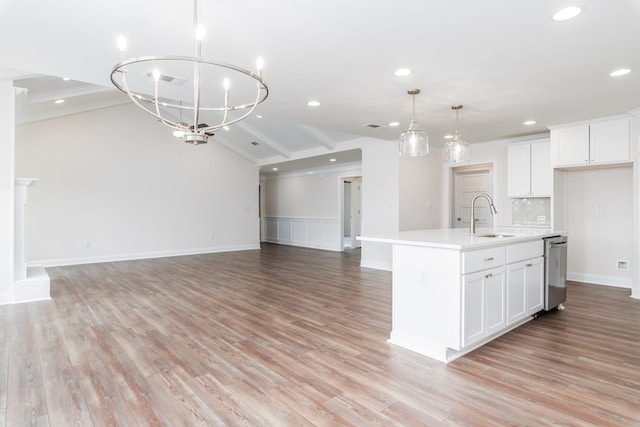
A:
<point x="621" y="282"/>
<point x="304" y="245"/>
<point x="143" y="255"/>
<point x="36" y="286"/>
<point x="376" y="265"/>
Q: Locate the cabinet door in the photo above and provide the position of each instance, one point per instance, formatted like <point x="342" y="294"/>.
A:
<point x="473" y="327"/>
<point x="483" y="304"/>
<point x="610" y="141"/>
<point x="541" y="171"/>
<point x="494" y="306"/>
<point x="516" y="292"/>
<point x="570" y="146"/>
<point x="534" y="279"/>
<point x="519" y="170"/>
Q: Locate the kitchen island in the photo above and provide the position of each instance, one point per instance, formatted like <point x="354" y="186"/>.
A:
<point x="454" y="291"/>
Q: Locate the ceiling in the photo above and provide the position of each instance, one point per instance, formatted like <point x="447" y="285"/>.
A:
<point x="506" y="62"/>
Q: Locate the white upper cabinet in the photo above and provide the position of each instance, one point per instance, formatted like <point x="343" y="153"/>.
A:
<point x="599" y="142"/>
<point x="529" y="170"/>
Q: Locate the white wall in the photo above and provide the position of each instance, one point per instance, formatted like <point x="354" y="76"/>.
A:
<point x="421" y="191"/>
<point x="114" y="184"/>
<point x="305" y="208"/>
<point x="599" y="213"/>
<point x="7" y="190"/>
<point x="380" y="188"/>
<point x="302" y="194"/>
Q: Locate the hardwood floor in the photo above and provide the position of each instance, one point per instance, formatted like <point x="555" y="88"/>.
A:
<point x="292" y="336"/>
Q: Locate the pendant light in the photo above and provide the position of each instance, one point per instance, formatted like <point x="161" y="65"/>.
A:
<point x="414" y="142"/>
<point x="457" y="150"/>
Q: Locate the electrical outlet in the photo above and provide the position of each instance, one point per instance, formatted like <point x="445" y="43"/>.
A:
<point x="424" y="279"/>
<point x="623" y="265"/>
<point x="87" y="244"/>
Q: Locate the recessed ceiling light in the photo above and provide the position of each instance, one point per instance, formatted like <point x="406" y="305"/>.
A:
<point x="403" y="72"/>
<point x="448" y="136"/>
<point x="529" y="122"/>
<point x="393" y="124"/>
<point x="567" y="13"/>
<point x="313" y="103"/>
<point x="258" y="116"/>
<point x="225" y="127"/>
<point x="59" y="101"/>
<point x="620" y="72"/>
<point x="274" y="169"/>
<point x="66" y="79"/>
<point x="332" y="160"/>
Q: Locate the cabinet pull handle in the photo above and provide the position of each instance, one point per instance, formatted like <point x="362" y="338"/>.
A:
<point x="529" y="265"/>
<point x="489" y="259"/>
<point x="486" y="276"/>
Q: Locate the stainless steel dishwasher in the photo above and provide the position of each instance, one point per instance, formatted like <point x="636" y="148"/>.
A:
<point x="555" y="272"/>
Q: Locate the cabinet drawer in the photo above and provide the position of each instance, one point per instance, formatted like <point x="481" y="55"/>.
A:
<point x="482" y="259"/>
<point x="526" y="250"/>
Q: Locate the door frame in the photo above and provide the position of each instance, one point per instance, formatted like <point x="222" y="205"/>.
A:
<point x="448" y="177"/>
<point x="355" y="228"/>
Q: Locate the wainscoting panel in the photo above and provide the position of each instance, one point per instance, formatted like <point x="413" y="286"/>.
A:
<point x="319" y="233"/>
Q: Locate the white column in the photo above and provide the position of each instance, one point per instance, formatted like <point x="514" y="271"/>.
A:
<point x="20" y="266"/>
<point x="7" y="190"/>
<point x="635" y="156"/>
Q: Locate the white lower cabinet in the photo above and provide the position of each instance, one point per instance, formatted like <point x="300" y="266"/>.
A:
<point x="525" y="289"/>
<point x="483" y="304"/>
<point x="448" y="301"/>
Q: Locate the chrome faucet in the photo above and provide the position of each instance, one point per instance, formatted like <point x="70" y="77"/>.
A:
<point x="492" y="208"/>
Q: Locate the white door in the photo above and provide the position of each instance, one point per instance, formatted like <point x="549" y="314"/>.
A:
<point x="352" y="211"/>
<point x="467" y="182"/>
<point x="356" y="210"/>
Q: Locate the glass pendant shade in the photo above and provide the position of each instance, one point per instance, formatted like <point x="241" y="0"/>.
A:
<point x="457" y="150"/>
<point x="413" y="142"/>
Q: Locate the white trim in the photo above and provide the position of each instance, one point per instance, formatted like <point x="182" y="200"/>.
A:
<point x="385" y="266"/>
<point x="596" y="279"/>
<point x="306" y="232"/>
<point x="588" y="122"/>
<point x="143" y="255"/>
<point x="351" y="167"/>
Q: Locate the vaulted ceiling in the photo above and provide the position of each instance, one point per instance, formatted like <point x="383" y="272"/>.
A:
<point x="506" y="61"/>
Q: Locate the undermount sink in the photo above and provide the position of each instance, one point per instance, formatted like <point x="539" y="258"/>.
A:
<point x="493" y="236"/>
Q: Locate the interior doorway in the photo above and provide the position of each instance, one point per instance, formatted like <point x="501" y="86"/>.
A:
<point x="467" y="181"/>
<point x="351" y="211"/>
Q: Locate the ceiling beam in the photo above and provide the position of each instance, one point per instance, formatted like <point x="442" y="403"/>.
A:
<point x="320" y="136"/>
<point x="235" y="148"/>
<point x="264" y="139"/>
<point x="67" y="93"/>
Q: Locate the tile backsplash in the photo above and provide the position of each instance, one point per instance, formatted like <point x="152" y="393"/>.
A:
<point x="533" y="211"/>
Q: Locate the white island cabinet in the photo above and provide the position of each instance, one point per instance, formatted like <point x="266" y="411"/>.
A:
<point x="453" y="292"/>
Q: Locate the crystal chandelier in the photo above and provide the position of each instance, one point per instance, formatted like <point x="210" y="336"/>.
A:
<point x="168" y="86"/>
<point x="414" y="142"/>
<point x="457" y="150"/>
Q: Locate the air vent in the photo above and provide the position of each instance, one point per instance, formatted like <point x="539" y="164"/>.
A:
<point x="167" y="78"/>
<point x="373" y="125"/>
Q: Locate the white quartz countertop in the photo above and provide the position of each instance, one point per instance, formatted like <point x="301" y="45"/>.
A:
<point x="460" y="238"/>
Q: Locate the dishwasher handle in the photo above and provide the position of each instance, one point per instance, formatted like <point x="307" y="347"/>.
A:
<point x="556" y="245"/>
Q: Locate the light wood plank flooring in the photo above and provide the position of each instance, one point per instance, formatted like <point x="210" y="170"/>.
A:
<point x="293" y="336"/>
